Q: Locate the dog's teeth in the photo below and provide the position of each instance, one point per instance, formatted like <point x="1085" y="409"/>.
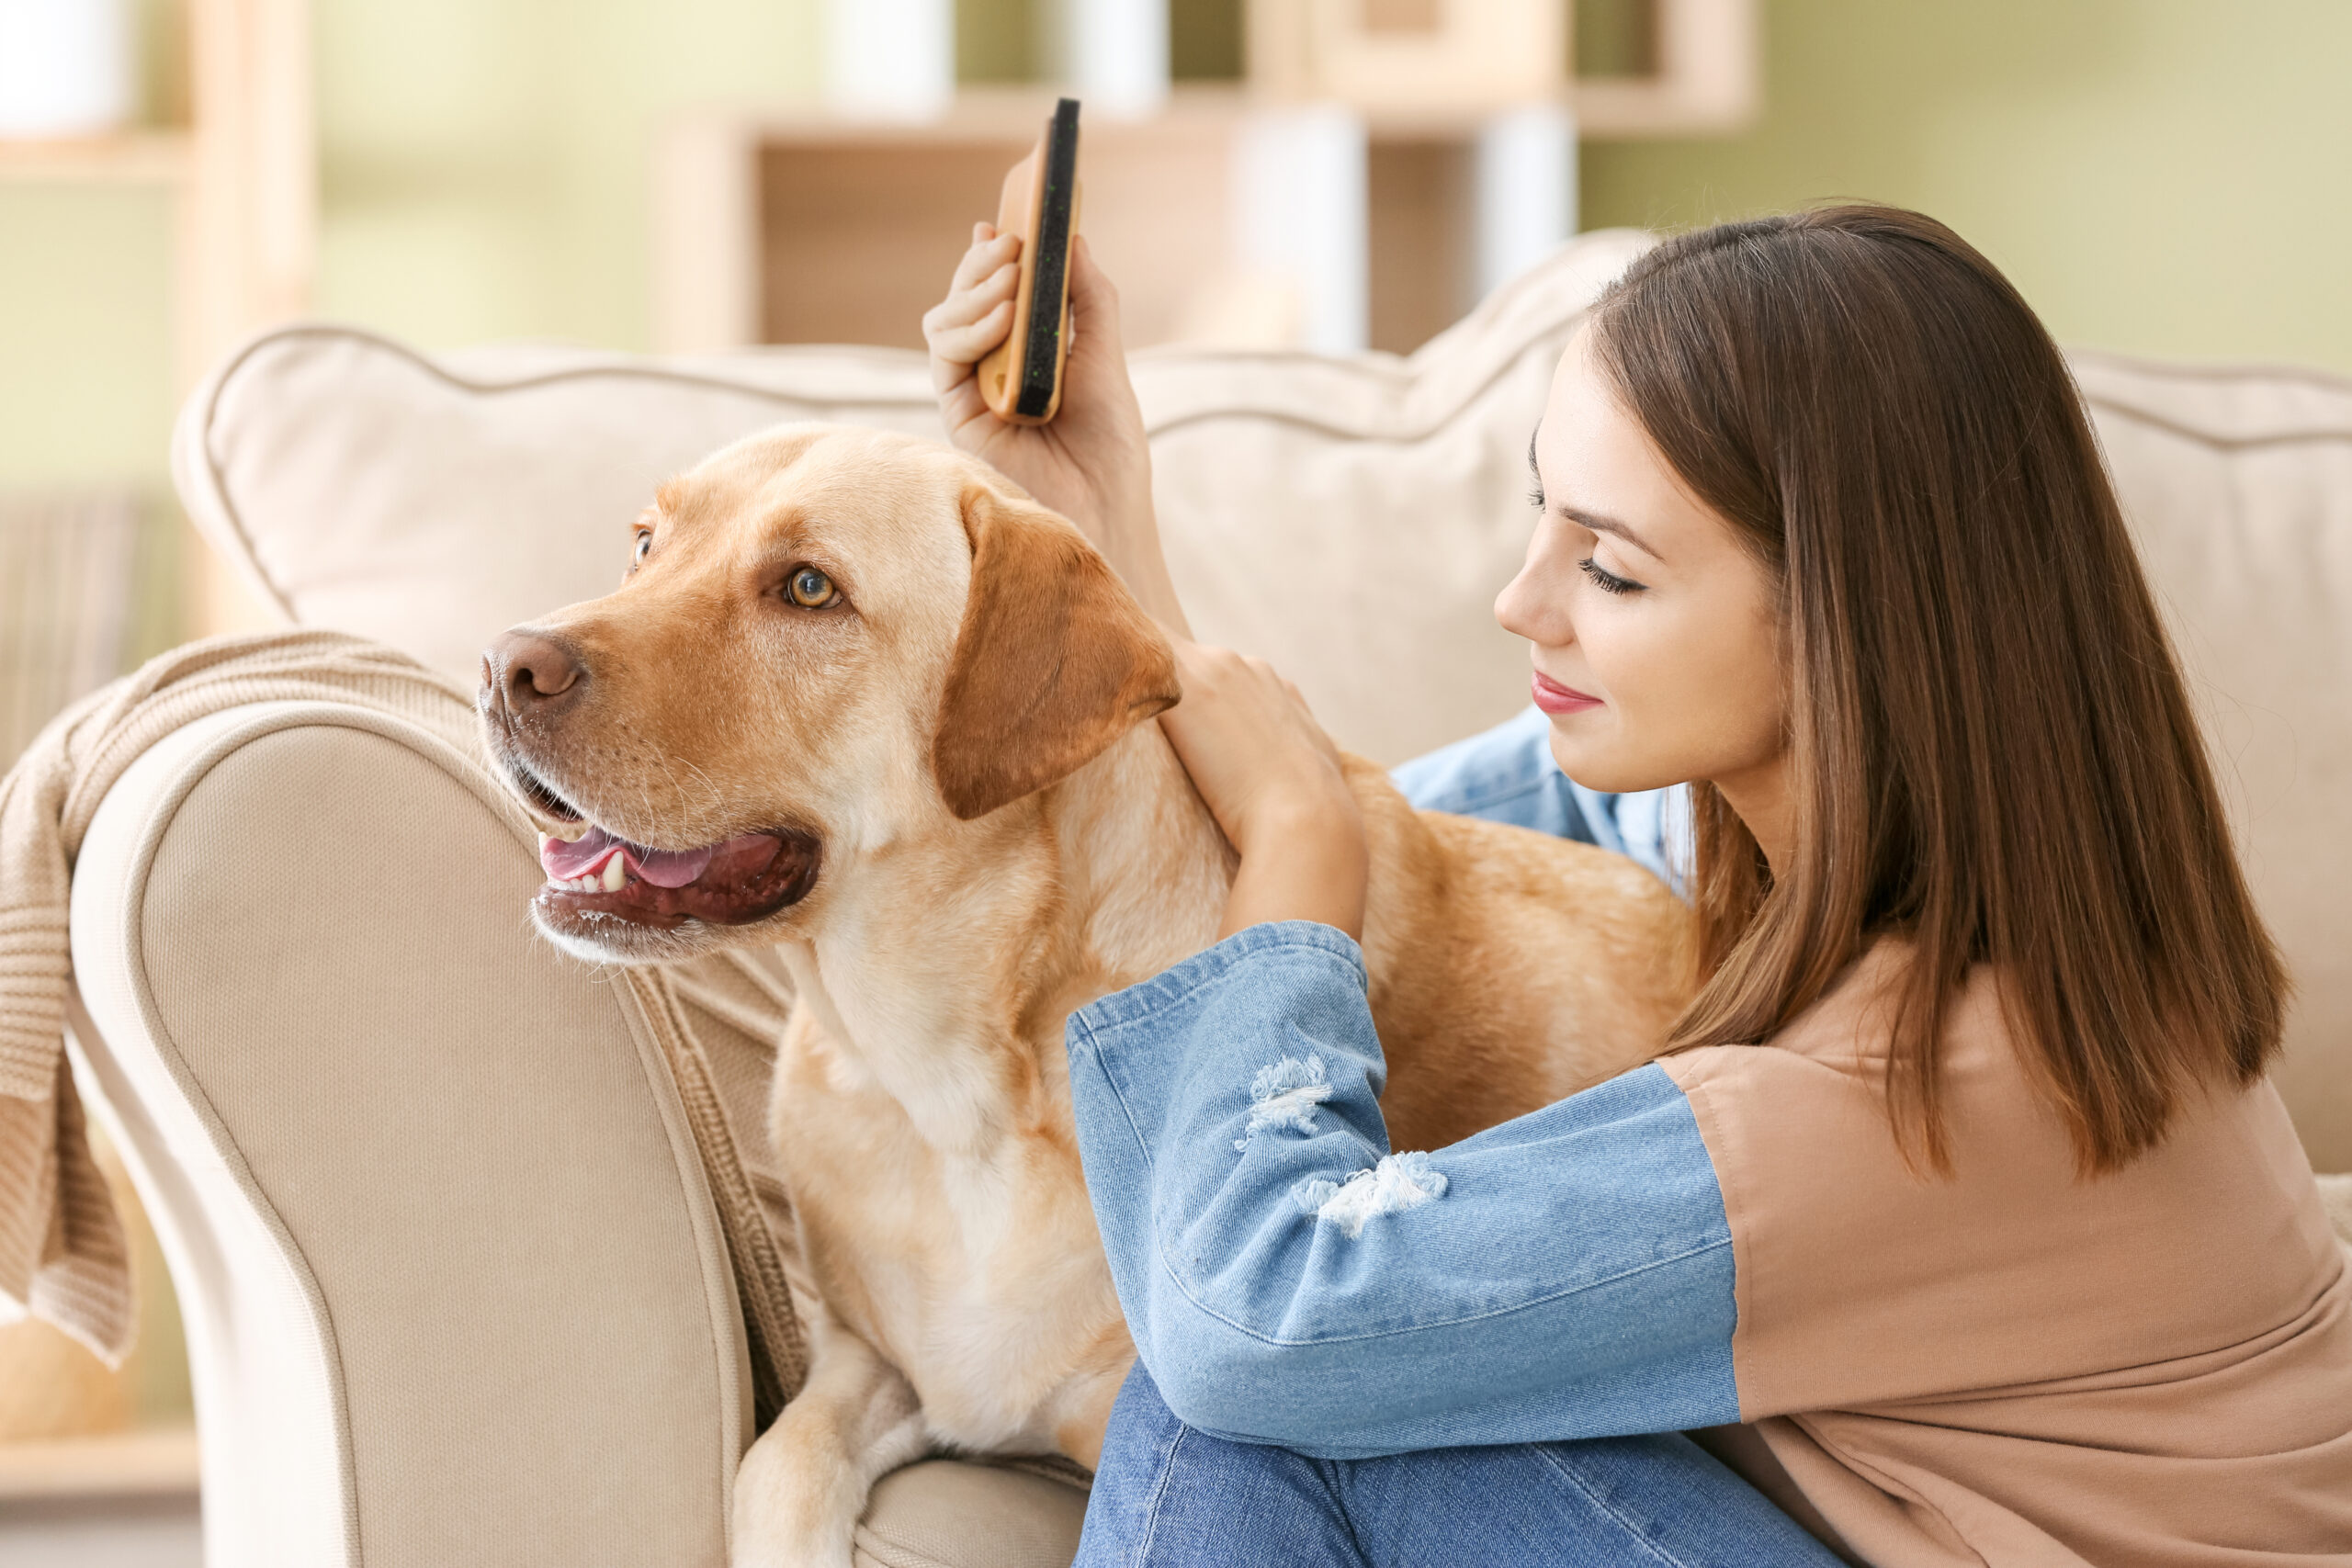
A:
<point x="615" y="873"/>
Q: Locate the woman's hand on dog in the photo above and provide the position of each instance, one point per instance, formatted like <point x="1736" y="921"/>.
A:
<point x="1275" y="784"/>
<point x="1091" y="463"/>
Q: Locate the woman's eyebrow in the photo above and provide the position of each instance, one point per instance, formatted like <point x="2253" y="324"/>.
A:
<point x="1599" y="523"/>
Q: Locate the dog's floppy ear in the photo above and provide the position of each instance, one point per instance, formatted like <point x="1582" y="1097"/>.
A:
<point x="1053" y="662"/>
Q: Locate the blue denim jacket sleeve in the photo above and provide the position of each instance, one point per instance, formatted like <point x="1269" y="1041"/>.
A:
<point x="1290" y="1280"/>
<point x="1507" y="774"/>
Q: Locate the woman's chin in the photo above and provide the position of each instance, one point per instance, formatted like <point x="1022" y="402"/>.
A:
<point x="1590" y="761"/>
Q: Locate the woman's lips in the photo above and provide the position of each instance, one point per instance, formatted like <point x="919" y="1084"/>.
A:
<point x="1555" y="698"/>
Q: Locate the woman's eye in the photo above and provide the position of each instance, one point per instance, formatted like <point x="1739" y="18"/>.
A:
<point x="1607" y="580"/>
<point x="644" y="546"/>
<point x="811" y="589"/>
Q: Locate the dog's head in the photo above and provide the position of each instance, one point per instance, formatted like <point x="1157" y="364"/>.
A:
<point x="831" y="645"/>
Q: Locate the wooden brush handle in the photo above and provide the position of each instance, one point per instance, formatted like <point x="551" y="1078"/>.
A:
<point x="1020" y="379"/>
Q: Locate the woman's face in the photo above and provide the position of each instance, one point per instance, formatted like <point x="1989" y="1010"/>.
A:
<point x="1656" y="630"/>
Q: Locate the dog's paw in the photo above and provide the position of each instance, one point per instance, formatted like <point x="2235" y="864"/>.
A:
<point x="788" y="1512"/>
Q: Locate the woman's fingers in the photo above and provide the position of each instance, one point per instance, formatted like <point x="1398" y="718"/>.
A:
<point x="974" y="318"/>
<point x="985" y="256"/>
<point x="956" y="328"/>
<point x="1253" y="751"/>
<point x="967" y="304"/>
<point x="954" y="350"/>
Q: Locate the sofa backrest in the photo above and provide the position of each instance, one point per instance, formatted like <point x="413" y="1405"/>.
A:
<point x="2238" y="484"/>
<point x="1349" y="519"/>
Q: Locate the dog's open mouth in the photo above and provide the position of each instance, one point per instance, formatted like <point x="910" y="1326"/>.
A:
<point x="731" y="883"/>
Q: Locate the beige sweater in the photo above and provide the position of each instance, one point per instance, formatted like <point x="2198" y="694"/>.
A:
<point x="62" y="1253"/>
<point x="2016" y="1365"/>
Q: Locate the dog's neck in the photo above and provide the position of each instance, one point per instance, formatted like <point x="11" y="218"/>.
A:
<point x="1144" y="868"/>
<point x="942" y="976"/>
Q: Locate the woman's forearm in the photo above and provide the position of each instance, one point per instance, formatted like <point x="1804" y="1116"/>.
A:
<point x="1132" y="547"/>
<point x="1290" y="1278"/>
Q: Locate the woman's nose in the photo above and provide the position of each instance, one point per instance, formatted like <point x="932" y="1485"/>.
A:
<point x="1532" y="607"/>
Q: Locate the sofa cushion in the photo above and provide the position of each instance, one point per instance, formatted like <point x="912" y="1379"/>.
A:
<point x="1349" y="519"/>
<point x="945" y="1513"/>
<point x="2238" y="484"/>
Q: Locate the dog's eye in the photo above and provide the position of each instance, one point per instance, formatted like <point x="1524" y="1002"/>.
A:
<point x="811" y="589"/>
<point x="644" y="544"/>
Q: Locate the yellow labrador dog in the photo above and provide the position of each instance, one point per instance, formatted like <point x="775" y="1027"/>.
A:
<point x="860" y="696"/>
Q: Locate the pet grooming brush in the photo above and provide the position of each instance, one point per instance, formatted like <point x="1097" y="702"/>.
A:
<point x="1022" y="378"/>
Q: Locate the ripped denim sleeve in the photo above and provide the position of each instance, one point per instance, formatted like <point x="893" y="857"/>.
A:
<point x="1290" y="1278"/>
<point x="1281" y="1096"/>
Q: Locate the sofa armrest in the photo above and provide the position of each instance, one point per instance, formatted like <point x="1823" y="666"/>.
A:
<point x="455" y="1290"/>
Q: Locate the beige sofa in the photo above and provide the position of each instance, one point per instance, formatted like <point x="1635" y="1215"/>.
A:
<point x="458" y="1286"/>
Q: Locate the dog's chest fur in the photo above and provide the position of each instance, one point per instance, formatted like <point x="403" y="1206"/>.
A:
<point x="973" y="1271"/>
<point x="922" y="1108"/>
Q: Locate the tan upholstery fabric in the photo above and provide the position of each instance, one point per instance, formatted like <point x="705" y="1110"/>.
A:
<point x="755" y="1240"/>
<point x="2239" y="487"/>
<point x="943" y="1514"/>
<point x="455" y="1292"/>
<point x="62" y="1253"/>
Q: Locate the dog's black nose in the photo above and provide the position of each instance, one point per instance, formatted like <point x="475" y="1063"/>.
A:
<point x="525" y="669"/>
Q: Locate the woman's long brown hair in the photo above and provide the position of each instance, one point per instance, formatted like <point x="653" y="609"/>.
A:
<point x="1992" y="753"/>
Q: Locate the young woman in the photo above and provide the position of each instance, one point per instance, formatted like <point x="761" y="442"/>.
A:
<point x="1956" y="1221"/>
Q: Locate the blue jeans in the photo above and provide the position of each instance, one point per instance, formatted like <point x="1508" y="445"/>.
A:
<point x="1168" y="1496"/>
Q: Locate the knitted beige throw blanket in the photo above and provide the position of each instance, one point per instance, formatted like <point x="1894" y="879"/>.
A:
<point x="61" y="1250"/>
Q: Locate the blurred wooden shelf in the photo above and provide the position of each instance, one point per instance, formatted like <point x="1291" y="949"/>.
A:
<point x="797" y="225"/>
<point x="132" y="158"/>
<point x="242" y="177"/>
<point x="146" y="1462"/>
<point x="243" y="171"/>
<point x="801" y="224"/>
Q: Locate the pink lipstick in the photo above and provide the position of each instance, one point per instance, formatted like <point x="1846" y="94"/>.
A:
<point x="1555" y="698"/>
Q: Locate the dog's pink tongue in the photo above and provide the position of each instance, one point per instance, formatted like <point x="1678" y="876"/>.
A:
<point x="563" y="862"/>
<point x="664" y="868"/>
<point x="670" y="868"/>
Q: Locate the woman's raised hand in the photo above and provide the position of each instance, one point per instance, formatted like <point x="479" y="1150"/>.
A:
<point x="1274" y="782"/>
<point x="1091" y="463"/>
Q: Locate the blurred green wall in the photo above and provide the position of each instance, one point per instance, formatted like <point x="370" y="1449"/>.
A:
<point x="485" y="163"/>
<point x="2167" y="177"/>
<point x="86" y="334"/>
